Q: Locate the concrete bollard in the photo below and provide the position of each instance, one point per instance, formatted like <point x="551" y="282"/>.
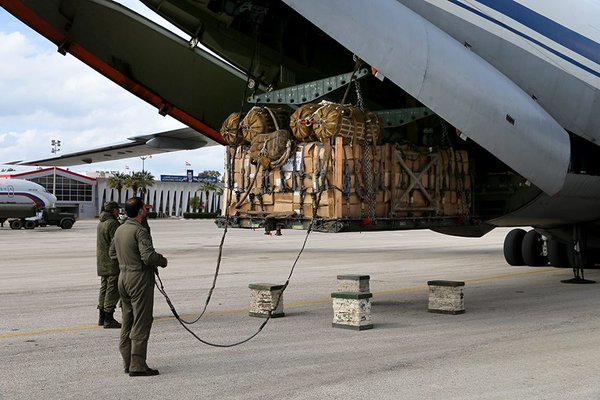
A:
<point x="353" y="283"/>
<point x="446" y="297"/>
<point x="263" y="297"/>
<point x="352" y="310"/>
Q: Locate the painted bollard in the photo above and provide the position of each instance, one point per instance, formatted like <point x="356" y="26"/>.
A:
<point x="446" y="297"/>
<point x="352" y="310"/>
<point x="265" y="297"/>
<point x="353" y="283"/>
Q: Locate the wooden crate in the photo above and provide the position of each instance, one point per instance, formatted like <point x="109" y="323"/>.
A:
<point x="334" y="180"/>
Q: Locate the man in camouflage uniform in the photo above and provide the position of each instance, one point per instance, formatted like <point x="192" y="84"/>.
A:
<point x="108" y="269"/>
<point x="132" y="246"/>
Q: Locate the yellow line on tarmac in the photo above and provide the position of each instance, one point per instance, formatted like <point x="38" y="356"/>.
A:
<point x="539" y="270"/>
<point x="296" y="304"/>
<point x="45" y="331"/>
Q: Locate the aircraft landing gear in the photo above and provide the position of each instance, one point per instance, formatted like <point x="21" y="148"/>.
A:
<point x="532" y="249"/>
<point x="558" y="254"/>
<point x="513" y="242"/>
<point x="578" y="258"/>
<point x="527" y="248"/>
<point x="524" y="248"/>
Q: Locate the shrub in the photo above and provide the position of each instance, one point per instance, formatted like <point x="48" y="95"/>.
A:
<point x="151" y="214"/>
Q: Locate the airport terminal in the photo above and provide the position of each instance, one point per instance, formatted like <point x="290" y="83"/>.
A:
<point x="83" y="195"/>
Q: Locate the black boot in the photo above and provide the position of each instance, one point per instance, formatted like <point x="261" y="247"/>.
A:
<point x="101" y="317"/>
<point x="110" y="322"/>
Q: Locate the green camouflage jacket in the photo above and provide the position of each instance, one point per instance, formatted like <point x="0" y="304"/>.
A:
<point x="106" y="230"/>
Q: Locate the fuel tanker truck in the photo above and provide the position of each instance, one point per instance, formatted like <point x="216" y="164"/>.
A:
<point x="25" y="204"/>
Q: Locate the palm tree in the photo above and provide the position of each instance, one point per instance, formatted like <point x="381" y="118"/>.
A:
<point x="219" y="192"/>
<point x="146" y="179"/>
<point x="138" y="181"/>
<point x="132" y="182"/>
<point x="117" y="181"/>
<point x="195" y="203"/>
<point x="207" y="187"/>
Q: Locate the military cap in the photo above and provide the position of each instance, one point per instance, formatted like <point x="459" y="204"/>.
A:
<point x="110" y="206"/>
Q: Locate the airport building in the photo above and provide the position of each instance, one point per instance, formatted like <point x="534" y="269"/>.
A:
<point x="83" y="195"/>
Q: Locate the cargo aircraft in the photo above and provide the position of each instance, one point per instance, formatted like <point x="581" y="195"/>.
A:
<point x="517" y="80"/>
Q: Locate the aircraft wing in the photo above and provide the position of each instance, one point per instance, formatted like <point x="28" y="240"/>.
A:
<point x="163" y="142"/>
<point x="156" y="65"/>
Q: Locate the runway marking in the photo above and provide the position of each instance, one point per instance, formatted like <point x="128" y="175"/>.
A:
<point x="296" y="304"/>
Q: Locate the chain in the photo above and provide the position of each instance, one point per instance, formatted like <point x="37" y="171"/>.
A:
<point x="368" y="173"/>
<point x="359" y="98"/>
<point x="445" y="138"/>
<point x="368" y="176"/>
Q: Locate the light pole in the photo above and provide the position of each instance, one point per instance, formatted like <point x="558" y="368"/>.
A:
<point x="143" y="158"/>
<point x="55" y="149"/>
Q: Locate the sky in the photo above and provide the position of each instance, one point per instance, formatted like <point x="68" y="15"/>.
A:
<point x="46" y="96"/>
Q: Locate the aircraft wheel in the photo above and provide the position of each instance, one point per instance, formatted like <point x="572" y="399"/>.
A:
<point x="29" y="224"/>
<point x="66" y="224"/>
<point x="557" y="254"/>
<point x="16" y="224"/>
<point x="532" y="249"/>
<point x="512" y="247"/>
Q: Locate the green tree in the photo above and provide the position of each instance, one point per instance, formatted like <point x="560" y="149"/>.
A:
<point x="207" y="187"/>
<point x="211" y="173"/>
<point x="117" y="181"/>
<point x="195" y="203"/>
<point x="146" y="180"/>
<point x="132" y="183"/>
<point x="138" y="182"/>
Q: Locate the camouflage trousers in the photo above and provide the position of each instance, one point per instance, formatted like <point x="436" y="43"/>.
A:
<point x="109" y="293"/>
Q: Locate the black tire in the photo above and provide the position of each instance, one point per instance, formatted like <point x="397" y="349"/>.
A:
<point x="512" y="247"/>
<point x="29" y="224"/>
<point x="558" y="254"/>
<point x="16" y="224"/>
<point x="532" y="249"/>
<point x="66" y="224"/>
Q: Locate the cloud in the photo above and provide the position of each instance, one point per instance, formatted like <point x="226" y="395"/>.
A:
<point x="49" y="96"/>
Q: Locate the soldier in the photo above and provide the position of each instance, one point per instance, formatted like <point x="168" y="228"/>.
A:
<point x="108" y="269"/>
<point x="132" y="246"/>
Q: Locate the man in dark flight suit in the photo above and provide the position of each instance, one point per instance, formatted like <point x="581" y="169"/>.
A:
<point x="132" y="246"/>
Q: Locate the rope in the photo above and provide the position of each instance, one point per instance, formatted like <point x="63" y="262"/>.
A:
<point x="239" y="203"/>
<point x="161" y="288"/>
<point x="230" y="167"/>
<point x="183" y="323"/>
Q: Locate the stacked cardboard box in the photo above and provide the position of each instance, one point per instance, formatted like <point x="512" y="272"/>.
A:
<point x="339" y="181"/>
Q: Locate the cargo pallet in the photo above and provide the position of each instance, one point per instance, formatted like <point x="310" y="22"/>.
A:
<point x="276" y="222"/>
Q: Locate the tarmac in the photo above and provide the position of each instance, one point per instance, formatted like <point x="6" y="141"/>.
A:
<point x="524" y="335"/>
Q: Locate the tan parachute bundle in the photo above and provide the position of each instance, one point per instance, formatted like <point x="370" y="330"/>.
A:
<point x="347" y="121"/>
<point x="301" y="122"/>
<point x="262" y="120"/>
<point x="271" y="150"/>
<point x="230" y="131"/>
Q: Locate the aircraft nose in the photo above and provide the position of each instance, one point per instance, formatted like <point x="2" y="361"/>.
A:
<point x="52" y="199"/>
